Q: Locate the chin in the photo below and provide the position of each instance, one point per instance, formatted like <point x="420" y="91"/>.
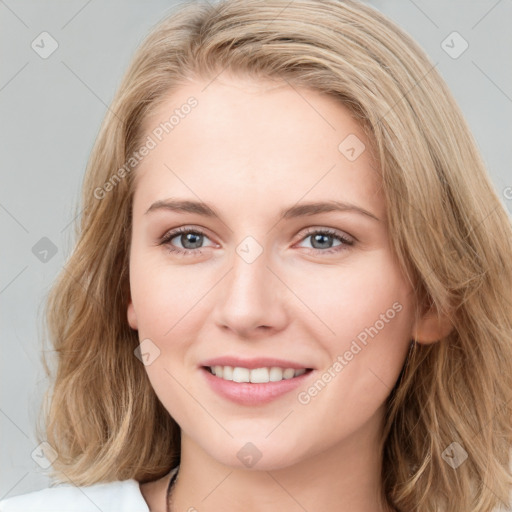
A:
<point x="255" y="453"/>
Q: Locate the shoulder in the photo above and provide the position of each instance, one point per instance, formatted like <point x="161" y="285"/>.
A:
<point x="119" y="496"/>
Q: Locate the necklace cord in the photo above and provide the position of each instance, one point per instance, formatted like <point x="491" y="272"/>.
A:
<point x="169" y="490"/>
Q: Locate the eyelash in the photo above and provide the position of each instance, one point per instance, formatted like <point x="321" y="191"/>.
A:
<point x="191" y="252"/>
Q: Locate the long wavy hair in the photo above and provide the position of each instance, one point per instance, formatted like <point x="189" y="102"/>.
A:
<point x="449" y="230"/>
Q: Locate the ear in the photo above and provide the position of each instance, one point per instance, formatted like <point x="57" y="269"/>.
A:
<point x="431" y="327"/>
<point x="132" y="317"/>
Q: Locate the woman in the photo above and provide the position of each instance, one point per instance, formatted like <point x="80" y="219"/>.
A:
<point x="292" y="284"/>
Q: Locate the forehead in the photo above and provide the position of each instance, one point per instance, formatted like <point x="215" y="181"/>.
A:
<point x="250" y="139"/>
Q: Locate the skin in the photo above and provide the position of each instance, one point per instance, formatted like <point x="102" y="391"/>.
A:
<point x="250" y="149"/>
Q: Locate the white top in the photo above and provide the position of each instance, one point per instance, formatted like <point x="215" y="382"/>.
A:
<point x="119" y="496"/>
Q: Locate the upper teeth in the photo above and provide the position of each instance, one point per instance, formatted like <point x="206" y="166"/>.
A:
<point x="256" y="375"/>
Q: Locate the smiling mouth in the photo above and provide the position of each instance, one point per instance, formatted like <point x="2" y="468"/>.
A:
<point x="255" y="375"/>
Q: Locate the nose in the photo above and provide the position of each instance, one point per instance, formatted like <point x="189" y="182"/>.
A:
<point x="251" y="301"/>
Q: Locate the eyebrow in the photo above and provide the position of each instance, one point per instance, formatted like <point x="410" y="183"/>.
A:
<point x="299" y="210"/>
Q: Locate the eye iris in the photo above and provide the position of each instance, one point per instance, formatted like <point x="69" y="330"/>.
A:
<point x="194" y="238"/>
<point x="321" y="239"/>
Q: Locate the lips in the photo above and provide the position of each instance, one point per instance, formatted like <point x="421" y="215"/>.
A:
<point x="253" y="381"/>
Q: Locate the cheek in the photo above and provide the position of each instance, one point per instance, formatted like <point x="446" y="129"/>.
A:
<point x="167" y="301"/>
<point x="356" y="297"/>
<point x="165" y="297"/>
<point x="367" y="308"/>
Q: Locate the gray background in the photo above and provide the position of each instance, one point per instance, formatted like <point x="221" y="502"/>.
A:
<point x="51" y="110"/>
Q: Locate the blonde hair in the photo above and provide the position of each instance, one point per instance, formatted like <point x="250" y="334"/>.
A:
<point x="450" y="232"/>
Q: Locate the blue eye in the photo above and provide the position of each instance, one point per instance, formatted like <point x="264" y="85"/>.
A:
<point x="186" y="236"/>
<point x="321" y="238"/>
<point x="192" y="240"/>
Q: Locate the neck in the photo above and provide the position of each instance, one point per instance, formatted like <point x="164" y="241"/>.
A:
<point x="343" y="478"/>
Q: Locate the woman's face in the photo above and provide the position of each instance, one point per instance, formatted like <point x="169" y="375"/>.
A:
<point x="287" y="263"/>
